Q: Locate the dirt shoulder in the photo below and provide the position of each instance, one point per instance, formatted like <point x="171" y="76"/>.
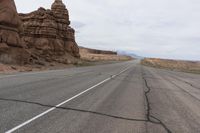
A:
<point x="89" y="57"/>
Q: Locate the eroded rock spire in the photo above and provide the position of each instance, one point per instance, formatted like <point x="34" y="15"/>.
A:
<point x="49" y="31"/>
<point x="58" y="4"/>
<point x="60" y="10"/>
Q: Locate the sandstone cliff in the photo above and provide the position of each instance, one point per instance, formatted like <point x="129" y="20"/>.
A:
<point x="48" y="34"/>
<point x="40" y="36"/>
<point x="12" y="48"/>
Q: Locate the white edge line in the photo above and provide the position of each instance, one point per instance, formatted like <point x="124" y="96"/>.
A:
<point x="68" y="100"/>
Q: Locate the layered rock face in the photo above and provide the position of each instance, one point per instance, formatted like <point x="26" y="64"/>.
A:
<point x="40" y="36"/>
<point x="47" y="33"/>
<point x="9" y="23"/>
<point x="12" y="49"/>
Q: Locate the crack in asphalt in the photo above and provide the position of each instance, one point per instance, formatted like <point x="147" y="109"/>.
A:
<point x="74" y="109"/>
<point x="148" y="115"/>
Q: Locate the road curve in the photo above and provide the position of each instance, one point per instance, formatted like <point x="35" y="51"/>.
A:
<point x="114" y="98"/>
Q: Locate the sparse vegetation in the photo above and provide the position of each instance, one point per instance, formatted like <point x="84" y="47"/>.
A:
<point x="179" y="65"/>
<point x="100" y="55"/>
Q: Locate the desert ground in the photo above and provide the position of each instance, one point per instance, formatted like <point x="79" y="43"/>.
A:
<point x="178" y="65"/>
<point x="99" y="55"/>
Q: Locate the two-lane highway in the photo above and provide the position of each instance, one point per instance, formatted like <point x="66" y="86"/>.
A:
<point x="114" y="98"/>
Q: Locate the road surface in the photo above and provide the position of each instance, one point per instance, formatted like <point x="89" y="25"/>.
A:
<point x="114" y="98"/>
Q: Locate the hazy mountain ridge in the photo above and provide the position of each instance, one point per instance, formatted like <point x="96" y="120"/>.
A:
<point x="129" y="53"/>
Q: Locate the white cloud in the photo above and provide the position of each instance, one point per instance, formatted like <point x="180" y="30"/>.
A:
<point x="156" y="28"/>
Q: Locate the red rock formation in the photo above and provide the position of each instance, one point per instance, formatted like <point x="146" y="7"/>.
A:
<point x="48" y="34"/>
<point x="60" y="12"/>
<point x="42" y="35"/>
<point x="9" y="23"/>
<point x="12" y="49"/>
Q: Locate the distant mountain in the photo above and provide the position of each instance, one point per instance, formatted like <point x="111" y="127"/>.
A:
<point x="129" y="53"/>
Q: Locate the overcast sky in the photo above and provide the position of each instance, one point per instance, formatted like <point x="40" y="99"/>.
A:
<point x="150" y="28"/>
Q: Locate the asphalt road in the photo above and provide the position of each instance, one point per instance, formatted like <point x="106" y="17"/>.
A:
<point x="114" y="98"/>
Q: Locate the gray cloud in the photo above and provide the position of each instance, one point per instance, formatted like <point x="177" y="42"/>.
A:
<point x="156" y="28"/>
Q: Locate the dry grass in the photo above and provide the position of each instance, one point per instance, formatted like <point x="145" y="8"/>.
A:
<point x="185" y="66"/>
<point x="86" y="55"/>
<point x="104" y="57"/>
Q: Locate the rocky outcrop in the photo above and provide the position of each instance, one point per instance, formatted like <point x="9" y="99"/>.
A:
<point x="48" y="34"/>
<point x="12" y="48"/>
<point x="9" y="24"/>
<point x="37" y="37"/>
